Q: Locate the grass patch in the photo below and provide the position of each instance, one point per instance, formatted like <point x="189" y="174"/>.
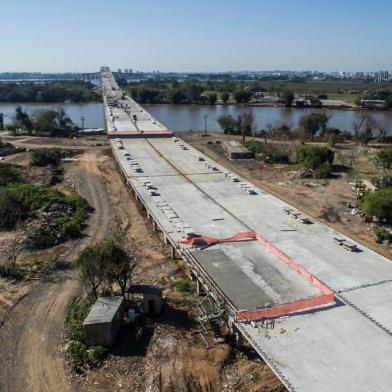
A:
<point x="82" y="357"/>
<point x="268" y="153"/>
<point x="182" y="285"/>
<point x="8" y="175"/>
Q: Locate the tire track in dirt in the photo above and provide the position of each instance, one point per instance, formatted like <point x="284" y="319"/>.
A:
<point x="30" y="338"/>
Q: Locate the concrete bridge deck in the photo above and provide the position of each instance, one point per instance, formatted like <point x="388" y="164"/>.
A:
<point x="345" y="345"/>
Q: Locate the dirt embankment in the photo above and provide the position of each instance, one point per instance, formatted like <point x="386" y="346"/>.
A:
<point x="31" y="334"/>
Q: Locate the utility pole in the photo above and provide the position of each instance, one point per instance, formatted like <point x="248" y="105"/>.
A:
<point x="253" y="131"/>
<point x="205" y="123"/>
<point x="82" y="119"/>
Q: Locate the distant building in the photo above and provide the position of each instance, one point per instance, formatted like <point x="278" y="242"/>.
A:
<point x="333" y="103"/>
<point x="373" y="103"/>
<point x="269" y="99"/>
<point x="91" y="131"/>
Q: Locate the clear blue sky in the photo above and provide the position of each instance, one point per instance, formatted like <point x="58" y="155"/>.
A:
<point x="195" y="35"/>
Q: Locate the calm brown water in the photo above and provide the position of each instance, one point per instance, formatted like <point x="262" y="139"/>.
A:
<point x="190" y="117"/>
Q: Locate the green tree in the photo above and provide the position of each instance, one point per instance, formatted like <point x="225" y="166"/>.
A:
<point x="225" y="96"/>
<point x="227" y="123"/>
<point x="288" y="97"/>
<point x="91" y="269"/>
<point x="388" y="102"/>
<point x="192" y="92"/>
<point x="23" y="120"/>
<point x="119" y="265"/>
<point x="53" y="122"/>
<point x="247" y="124"/>
<point x="310" y="124"/>
<point x="147" y="95"/>
<point x="176" y="95"/>
<point x="46" y="122"/>
<point x="212" y="97"/>
<point x="63" y="120"/>
<point x="242" y="95"/>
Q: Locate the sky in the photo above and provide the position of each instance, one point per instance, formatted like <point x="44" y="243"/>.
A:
<point x="195" y="35"/>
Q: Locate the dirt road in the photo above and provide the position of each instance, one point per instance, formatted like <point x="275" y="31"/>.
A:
<point x="30" y="338"/>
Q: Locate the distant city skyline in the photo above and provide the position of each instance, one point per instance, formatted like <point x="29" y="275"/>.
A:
<point x="196" y="36"/>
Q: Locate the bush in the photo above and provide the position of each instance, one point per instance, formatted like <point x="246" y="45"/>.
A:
<point x="45" y="158"/>
<point x="82" y="357"/>
<point x="268" y="153"/>
<point x="383" y="181"/>
<point x="182" y="285"/>
<point x="19" y="202"/>
<point x="331" y="138"/>
<point x="383" y="235"/>
<point x="323" y="171"/>
<point x="8" y="175"/>
<point x="11" y="210"/>
<point x="74" y="320"/>
<point x="385" y="158"/>
<point x="378" y="204"/>
<point x="312" y="156"/>
<point x="12" y="272"/>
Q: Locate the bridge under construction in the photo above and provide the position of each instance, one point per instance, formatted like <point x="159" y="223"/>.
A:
<point x="312" y="302"/>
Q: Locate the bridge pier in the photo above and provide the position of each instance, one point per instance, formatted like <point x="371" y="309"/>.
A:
<point x="173" y="252"/>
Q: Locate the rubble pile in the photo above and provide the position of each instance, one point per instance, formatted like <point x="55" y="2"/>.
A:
<point x="9" y="149"/>
<point x="45" y="230"/>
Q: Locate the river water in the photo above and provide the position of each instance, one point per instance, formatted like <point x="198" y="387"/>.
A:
<point x="191" y="117"/>
<point x="92" y="112"/>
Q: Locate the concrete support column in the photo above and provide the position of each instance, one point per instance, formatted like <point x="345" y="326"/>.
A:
<point x="237" y="339"/>
<point x="172" y="252"/>
<point x="154" y="225"/>
<point x="165" y="240"/>
<point x="198" y="287"/>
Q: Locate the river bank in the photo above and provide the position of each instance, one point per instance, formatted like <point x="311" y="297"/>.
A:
<point x="192" y="117"/>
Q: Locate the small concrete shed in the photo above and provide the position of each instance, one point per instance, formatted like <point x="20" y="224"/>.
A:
<point x="152" y="298"/>
<point x="103" y="321"/>
<point x="235" y="150"/>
